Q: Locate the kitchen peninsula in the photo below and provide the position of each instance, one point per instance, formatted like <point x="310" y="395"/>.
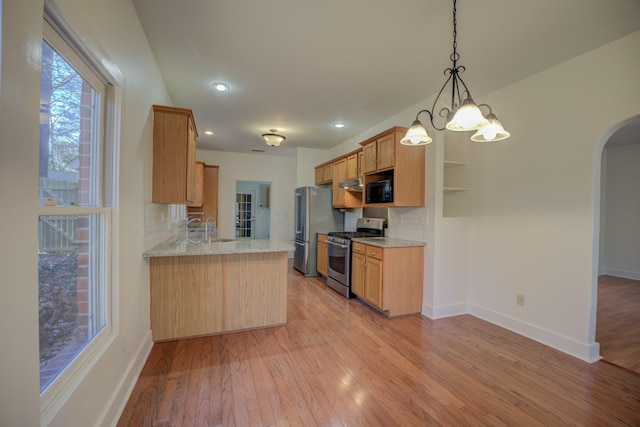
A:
<point x="206" y="288"/>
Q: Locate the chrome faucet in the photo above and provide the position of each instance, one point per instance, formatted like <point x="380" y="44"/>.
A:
<point x="187" y="222"/>
<point x="208" y="232"/>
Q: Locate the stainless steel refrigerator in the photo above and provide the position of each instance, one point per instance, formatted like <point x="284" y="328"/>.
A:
<point x="313" y="214"/>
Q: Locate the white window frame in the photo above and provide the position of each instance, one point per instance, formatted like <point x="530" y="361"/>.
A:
<point x="59" y="35"/>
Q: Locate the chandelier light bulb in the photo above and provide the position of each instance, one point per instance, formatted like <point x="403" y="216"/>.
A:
<point x="467" y="117"/>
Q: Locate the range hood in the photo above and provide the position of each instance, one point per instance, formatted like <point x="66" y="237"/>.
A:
<point x="354" y="185"/>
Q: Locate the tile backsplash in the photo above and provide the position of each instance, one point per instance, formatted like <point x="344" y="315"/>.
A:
<point x="162" y="222"/>
<point x="402" y="223"/>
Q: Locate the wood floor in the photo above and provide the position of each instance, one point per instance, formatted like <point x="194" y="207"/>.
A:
<point x="618" y="321"/>
<point x="338" y="363"/>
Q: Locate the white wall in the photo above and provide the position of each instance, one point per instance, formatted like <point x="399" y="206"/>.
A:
<point x="534" y="230"/>
<point x="280" y="171"/>
<point x="621" y="254"/>
<point x="306" y="160"/>
<point x="103" y="387"/>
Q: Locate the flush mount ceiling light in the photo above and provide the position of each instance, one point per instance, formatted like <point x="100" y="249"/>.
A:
<point x="220" y="87"/>
<point x="464" y="114"/>
<point x="273" y="139"/>
<point x="338" y="125"/>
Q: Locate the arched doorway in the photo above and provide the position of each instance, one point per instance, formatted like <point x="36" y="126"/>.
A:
<point x="617" y="328"/>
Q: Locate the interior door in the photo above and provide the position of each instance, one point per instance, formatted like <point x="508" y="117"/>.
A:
<point x="245" y="213"/>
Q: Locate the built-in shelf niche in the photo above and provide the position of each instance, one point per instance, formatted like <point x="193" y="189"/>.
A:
<point x="455" y="174"/>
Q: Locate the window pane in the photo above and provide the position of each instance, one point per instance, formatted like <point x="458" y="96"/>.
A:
<point x="71" y="288"/>
<point x="69" y="134"/>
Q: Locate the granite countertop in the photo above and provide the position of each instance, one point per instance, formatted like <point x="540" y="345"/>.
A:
<point x="179" y="246"/>
<point x="388" y="242"/>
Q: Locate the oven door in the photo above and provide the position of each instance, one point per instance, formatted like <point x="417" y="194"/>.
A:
<point x="339" y="260"/>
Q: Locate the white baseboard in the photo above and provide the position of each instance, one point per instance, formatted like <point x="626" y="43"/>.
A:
<point x="634" y="275"/>
<point x="128" y="380"/>
<point x="587" y="352"/>
<point x="443" y="311"/>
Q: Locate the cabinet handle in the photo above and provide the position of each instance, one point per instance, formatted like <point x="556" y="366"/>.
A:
<point x="373" y="253"/>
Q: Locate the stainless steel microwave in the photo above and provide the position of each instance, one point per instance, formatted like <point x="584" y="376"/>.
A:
<point x="380" y="191"/>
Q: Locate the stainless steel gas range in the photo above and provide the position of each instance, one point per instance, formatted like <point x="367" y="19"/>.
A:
<point x="339" y="271"/>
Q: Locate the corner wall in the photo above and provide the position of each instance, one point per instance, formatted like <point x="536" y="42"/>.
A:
<point x="532" y="233"/>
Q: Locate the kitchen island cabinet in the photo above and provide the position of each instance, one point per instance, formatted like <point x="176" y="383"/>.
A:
<point x="211" y="288"/>
<point x="388" y="274"/>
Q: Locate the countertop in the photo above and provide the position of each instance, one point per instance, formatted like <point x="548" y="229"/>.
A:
<point x="182" y="247"/>
<point x="388" y="242"/>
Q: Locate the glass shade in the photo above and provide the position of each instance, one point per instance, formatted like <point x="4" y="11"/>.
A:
<point x="416" y="135"/>
<point x="273" y="139"/>
<point x="467" y="117"/>
<point x="491" y="132"/>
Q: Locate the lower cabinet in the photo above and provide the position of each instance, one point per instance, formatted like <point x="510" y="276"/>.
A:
<point x="388" y="279"/>
<point x="210" y="294"/>
<point x="322" y="260"/>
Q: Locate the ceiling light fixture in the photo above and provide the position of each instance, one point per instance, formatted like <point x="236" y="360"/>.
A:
<point x="464" y="114"/>
<point x="338" y="125"/>
<point x="220" y="87"/>
<point x="273" y="139"/>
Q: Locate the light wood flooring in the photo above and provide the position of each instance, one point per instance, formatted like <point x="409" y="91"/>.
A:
<point x="339" y="363"/>
<point x="618" y="321"/>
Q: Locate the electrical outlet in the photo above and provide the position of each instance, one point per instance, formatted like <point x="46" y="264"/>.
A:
<point x="520" y="299"/>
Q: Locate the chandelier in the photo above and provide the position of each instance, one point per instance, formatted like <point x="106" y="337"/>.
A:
<point x="273" y="139"/>
<point x="463" y="114"/>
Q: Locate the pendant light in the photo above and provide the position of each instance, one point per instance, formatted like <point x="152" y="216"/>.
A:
<point x="273" y="139"/>
<point x="463" y="114"/>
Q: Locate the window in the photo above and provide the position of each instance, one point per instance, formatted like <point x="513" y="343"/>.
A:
<point x="74" y="216"/>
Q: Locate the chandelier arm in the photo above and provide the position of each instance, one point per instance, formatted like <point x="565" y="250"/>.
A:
<point x="466" y="89"/>
<point x="486" y="105"/>
<point x="424" y="111"/>
<point x="433" y="107"/>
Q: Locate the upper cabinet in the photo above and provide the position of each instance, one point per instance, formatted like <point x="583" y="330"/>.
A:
<point x="379" y="151"/>
<point x="353" y="165"/>
<point x="381" y="158"/>
<point x="174" y="155"/>
<point x="386" y="159"/>
<point x="324" y="173"/>
<point x="209" y="206"/>
<point x="199" y="186"/>
<point x="343" y="199"/>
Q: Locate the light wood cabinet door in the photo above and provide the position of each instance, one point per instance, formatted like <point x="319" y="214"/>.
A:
<point x="323" y="174"/>
<point x="385" y="152"/>
<point x="322" y="260"/>
<point x="357" y="269"/>
<point x="318" y="178"/>
<point x="370" y="157"/>
<point x="209" y="207"/>
<point x="339" y="175"/>
<point x="373" y="282"/>
<point x="174" y="155"/>
<point x="199" y="186"/>
<point x="352" y="166"/>
<point x="327" y="173"/>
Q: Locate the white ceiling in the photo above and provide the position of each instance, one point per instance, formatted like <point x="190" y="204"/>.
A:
<point x="300" y="65"/>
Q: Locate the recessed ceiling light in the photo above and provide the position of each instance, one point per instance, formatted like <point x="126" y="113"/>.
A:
<point x="208" y="132"/>
<point x="338" y="125"/>
<point x="220" y="87"/>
